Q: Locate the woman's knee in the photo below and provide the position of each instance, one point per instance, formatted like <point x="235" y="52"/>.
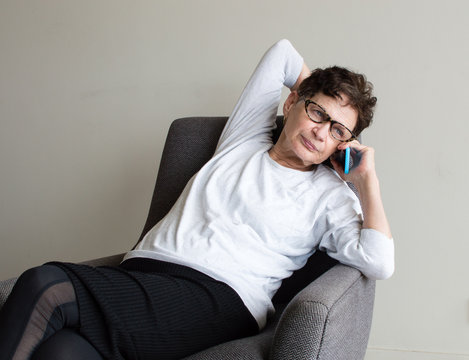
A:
<point x="38" y="279"/>
<point x="42" y="302"/>
<point x="42" y="290"/>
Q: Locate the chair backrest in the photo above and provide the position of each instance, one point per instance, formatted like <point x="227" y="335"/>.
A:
<point x="190" y="143"/>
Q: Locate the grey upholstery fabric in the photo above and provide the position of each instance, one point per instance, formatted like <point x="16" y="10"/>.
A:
<point x="113" y="260"/>
<point x="330" y="305"/>
<point x="328" y="319"/>
<point x="5" y="289"/>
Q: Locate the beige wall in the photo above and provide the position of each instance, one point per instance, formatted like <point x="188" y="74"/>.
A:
<point x="88" y="89"/>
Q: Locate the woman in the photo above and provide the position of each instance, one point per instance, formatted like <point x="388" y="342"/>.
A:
<point x="206" y="273"/>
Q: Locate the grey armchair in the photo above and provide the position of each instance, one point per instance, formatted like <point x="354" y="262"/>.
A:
<point x="323" y="311"/>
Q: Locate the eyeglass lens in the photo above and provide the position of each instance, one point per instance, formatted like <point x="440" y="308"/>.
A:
<point x="337" y="130"/>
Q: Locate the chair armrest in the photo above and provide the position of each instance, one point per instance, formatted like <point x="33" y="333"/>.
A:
<point x="7" y="285"/>
<point x="112" y="260"/>
<point x="5" y="290"/>
<point x="329" y="319"/>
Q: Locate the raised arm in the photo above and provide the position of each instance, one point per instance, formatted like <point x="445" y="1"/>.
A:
<point x="255" y="112"/>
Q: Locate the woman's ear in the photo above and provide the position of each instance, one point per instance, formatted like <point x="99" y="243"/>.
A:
<point x="292" y="99"/>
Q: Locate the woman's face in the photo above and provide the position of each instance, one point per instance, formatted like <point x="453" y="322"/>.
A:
<point x="304" y="143"/>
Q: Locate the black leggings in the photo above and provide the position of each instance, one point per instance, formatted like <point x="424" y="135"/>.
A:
<point x="142" y="309"/>
<point x="40" y="318"/>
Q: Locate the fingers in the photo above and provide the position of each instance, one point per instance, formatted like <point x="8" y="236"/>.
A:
<point x="354" y="144"/>
<point x="363" y="161"/>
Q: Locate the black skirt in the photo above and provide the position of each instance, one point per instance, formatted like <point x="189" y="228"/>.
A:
<point x="149" y="309"/>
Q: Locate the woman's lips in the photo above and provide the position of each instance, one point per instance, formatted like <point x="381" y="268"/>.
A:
<point x="308" y="144"/>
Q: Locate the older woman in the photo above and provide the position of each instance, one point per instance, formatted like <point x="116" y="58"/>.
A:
<point x="206" y="273"/>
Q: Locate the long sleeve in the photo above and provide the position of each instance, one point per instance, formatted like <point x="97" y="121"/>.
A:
<point x="344" y="239"/>
<point x="255" y="112"/>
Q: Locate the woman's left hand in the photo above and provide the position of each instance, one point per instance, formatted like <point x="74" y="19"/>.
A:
<point x="363" y="168"/>
<point x="363" y="176"/>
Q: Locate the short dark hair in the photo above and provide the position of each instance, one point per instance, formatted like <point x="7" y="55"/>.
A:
<point x="335" y="80"/>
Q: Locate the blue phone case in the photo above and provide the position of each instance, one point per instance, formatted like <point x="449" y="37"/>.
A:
<point x="347" y="161"/>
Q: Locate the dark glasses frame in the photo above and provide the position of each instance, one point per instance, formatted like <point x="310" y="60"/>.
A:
<point x="327" y="118"/>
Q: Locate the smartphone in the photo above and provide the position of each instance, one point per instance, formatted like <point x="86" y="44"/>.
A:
<point x="347" y="164"/>
<point x="348" y="158"/>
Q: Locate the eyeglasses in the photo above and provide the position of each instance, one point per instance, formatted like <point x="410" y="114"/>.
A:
<point x="337" y="130"/>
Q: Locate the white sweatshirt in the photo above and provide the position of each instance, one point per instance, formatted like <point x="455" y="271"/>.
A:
<point x="248" y="221"/>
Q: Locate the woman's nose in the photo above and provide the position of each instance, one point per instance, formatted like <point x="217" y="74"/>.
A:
<point x="321" y="130"/>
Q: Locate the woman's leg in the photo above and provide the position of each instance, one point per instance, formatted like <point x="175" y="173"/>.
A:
<point x="42" y="302"/>
<point x="66" y="344"/>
